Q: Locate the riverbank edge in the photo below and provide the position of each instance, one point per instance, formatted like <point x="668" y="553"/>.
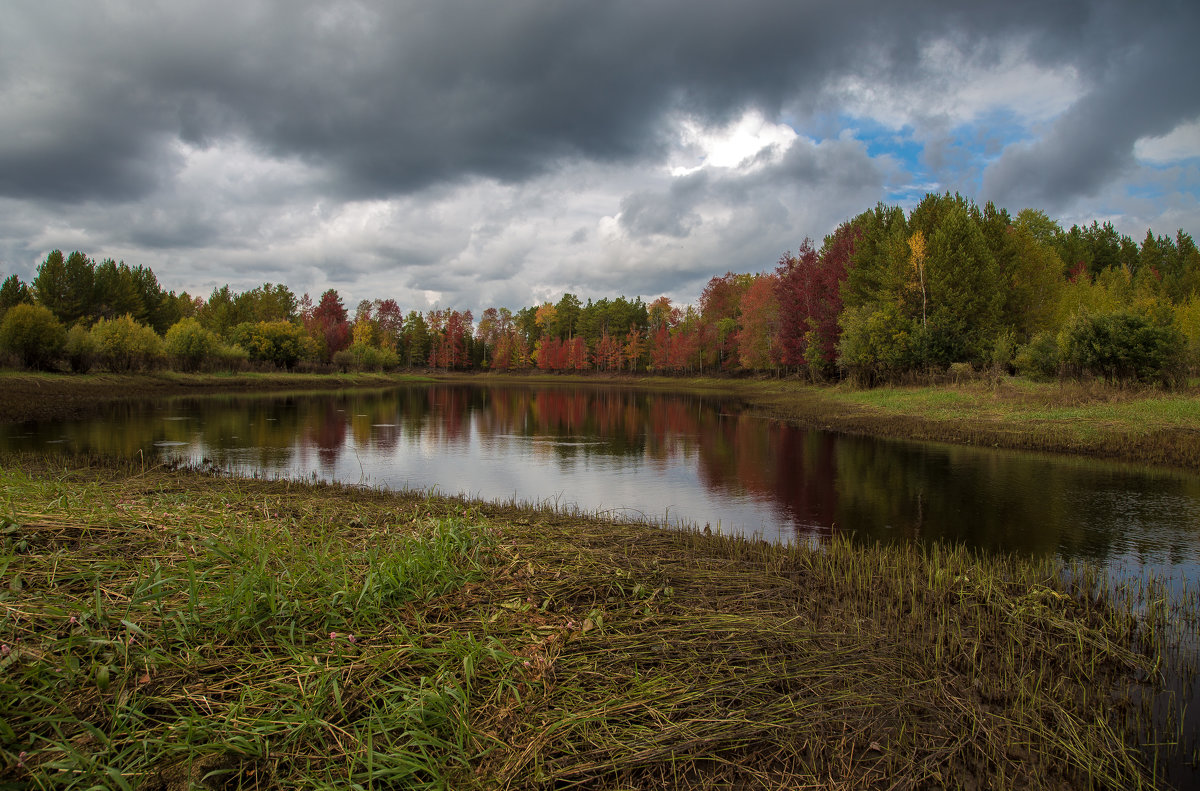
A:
<point x="1147" y="426"/>
<point x="566" y="648"/>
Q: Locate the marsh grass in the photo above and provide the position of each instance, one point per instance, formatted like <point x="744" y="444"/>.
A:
<point x="174" y="629"/>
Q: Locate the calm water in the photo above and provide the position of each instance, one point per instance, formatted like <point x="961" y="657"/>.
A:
<point x="678" y="459"/>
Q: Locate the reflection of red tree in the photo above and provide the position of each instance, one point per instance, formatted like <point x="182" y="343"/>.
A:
<point x="561" y="411"/>
<point x="449" y="405"/>
<point x="792" y="467"/>
<point x="807" y="484"/>
<point x="327" y="433"/>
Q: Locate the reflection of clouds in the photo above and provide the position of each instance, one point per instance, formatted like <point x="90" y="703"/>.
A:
<point x="664" y="457"/>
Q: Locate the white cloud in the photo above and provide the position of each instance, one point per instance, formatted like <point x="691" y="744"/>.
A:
<point x="953" y="87"/>
<point x="735" y="145"/>
<point x="1182" y="142"/>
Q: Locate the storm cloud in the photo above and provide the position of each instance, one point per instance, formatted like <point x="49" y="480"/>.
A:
<point x="471" y="153"/>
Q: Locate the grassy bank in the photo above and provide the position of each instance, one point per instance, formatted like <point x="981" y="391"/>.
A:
<point x="167" y="628"/>
<point x="1092" y="419"/>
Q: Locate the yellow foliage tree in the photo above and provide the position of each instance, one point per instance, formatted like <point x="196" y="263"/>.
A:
<point x="545" y="316"/>
<point x="916" y="246"/>
<point x="364" y="333"/>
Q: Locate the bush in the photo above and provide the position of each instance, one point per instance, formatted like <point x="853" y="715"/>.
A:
<point x="961" y="372"/>
<point x="1003" y="353"/>
<point x="80" y="349"/>
<point x="190" y="345"/>
<point x="278" y="342"/>
<point x="124" y="345"/>
<point x="33" y="334"/>
<point x="230" y="356"/>
<point x="1040" y="358"/>
<point x="1123" y="347"/>
<point x="1187" y="320"/>
<point x="364" y="357"/>
<point x="877" y="344"/>
<point x="344" y="360"/>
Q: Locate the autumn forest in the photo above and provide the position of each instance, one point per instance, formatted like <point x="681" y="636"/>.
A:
<point x="888" y="295"/>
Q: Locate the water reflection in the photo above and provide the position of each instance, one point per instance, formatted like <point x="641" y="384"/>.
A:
<point x="679" y="458"/>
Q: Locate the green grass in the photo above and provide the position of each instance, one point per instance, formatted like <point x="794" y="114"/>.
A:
<point x="172" y="630"/>
<point x="1028" y="401"/>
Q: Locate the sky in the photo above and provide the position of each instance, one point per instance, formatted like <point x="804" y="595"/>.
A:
<point x="475" y="153"/>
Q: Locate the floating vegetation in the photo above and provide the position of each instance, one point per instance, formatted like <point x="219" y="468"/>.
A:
<point x="168" y="630"/>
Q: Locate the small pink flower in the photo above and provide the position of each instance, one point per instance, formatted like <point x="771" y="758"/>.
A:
<point x="4" y="649"/>
<point x="74" y="620"/>
<point x="527" y="663"/>
<point x="351" y="639"/>
<point x="21" y="758"/>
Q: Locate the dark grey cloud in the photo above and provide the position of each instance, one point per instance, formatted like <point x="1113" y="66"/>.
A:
<point x="669" y="213"/>
<point x="393" y="97"/>
<point x="804" y="171"/>
<point x="1140" y="89"/>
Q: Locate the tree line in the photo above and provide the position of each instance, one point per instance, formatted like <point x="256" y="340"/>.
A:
<point x="888" y="295"/>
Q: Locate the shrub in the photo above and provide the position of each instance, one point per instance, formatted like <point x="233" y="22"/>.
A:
<point x="1123" y="347"/>
<point x="81" y="349"/>
<point x="278" y="342"/>
<point x="230" y="356"/>
<point x="1003" y="352"/>
<point x="877" y="344"/>
<point x="33" y="334"/>
<point x="124" y="345"/>
<point x="961" y="372"/>
<point x="372" y="358"/>
<point x="1187" y="320"/>
<point x="1040" y="358"/>
<point x="190" y="345"/>
<point x="344" y="360"/>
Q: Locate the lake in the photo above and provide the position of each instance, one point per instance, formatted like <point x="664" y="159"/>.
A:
<point x="673" y="459"/>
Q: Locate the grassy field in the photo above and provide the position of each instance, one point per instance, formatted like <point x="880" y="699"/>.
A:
<point x="165" y="629"/>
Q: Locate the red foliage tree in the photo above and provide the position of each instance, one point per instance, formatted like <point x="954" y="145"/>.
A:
<point x="634" y="346"/>
<point x="810" y="298"/>
<point x="685" y="349"/>
<point x="389" y="318"/>
<point x="578" y="354"/>
<point x="720" y="319"/>
<point x="449" y="330"/>
<point x="660" y="349"/>
<point x="607" y="355"/>
<point x="758" y="339"/>
<point x="330" y="324"/>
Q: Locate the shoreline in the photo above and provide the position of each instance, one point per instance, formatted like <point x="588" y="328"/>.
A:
<point x="299" y="631"/>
